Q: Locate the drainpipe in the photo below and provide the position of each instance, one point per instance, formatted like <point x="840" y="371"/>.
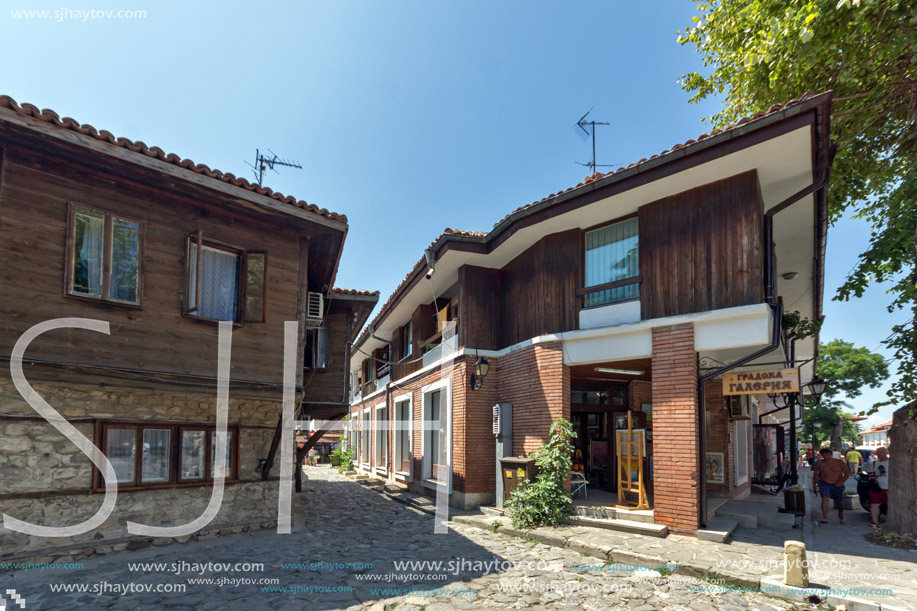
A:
<point x="770" y="283"/>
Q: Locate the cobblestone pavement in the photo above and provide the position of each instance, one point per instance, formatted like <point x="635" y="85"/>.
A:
<point x="339" y="521"/>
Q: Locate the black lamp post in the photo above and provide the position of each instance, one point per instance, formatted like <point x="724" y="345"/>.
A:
<point x="817" y="388"/>
<point x="481" y="367"/>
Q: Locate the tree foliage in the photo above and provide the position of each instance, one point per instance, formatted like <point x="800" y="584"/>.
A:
<point x="849" y="369"/>
<point x="762" y="52"/>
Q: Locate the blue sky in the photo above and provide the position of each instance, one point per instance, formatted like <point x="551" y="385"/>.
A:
<point x="408" y="117"/>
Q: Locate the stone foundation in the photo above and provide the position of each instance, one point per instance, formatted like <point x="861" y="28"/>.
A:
<point x="46" y="480"/>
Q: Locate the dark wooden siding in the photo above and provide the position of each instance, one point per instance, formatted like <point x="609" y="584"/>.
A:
<point x="539" y="289"/>
<point x="702" y="249"/>
<point x="34" y="200"/>
<point x="330" y="385"/>
<point x="480" y="298"/>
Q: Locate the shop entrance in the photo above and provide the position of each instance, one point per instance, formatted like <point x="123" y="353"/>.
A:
<point x="594" y="408"/>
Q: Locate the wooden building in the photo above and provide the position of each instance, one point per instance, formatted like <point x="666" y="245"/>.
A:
<point x="161" y="249"/>
<point x="621" y="295"/>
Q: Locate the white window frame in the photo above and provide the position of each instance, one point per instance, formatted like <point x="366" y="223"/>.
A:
<point x="740" y="457"/>
<point x="383" y="468"/>
<point x="445" y="386"/>
<point x="366" y="437"/>
<point x="405" y="476"/>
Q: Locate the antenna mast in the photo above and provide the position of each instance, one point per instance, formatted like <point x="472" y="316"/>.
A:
<point x="267" y="163"/>
<point x="585" y="129"/>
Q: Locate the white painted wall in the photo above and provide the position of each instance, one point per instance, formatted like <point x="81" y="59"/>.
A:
<point x="613" y="314"/>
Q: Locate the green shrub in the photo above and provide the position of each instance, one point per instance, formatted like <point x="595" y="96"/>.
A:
<point x="545" y="502"/>
<point x="343" y="453"/>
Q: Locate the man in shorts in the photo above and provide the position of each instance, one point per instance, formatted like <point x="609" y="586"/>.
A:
<point x="830" y="476"/>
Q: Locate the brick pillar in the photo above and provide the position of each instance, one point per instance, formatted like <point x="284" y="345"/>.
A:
<point x="675" y="435"/>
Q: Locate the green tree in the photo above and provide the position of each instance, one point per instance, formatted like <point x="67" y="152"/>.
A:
<point x="848" y="369"/>
<point x="762" y="52"/>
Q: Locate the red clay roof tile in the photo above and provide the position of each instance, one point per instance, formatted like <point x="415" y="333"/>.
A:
<point x="51" y="117"/>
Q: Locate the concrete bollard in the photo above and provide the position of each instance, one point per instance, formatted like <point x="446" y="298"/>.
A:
<point x="795" y="566"/>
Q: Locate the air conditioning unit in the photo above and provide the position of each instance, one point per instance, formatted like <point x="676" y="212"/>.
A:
<point x="315" y="309"/>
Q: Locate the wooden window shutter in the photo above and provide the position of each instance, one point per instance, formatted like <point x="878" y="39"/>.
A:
<point x="196" y="240"/>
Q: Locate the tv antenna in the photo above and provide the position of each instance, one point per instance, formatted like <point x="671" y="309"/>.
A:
<point x="584" y="129"/>
<point x="263" y="163"/>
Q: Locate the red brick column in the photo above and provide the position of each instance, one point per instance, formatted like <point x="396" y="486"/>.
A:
<point x="675" y="435"/>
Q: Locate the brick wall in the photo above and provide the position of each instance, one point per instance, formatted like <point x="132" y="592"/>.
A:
<point x="675" y="448"/>
<point x="640" y="392"/>
<point x="474" y="450"/>
<point x="535" y="380"/>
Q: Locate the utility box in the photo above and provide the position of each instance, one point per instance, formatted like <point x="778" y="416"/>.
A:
<point x="514" y="471"/>
<point x="503" y="431"/>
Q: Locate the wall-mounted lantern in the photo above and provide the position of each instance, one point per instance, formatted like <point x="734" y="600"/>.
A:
<point x="480" y="372"/>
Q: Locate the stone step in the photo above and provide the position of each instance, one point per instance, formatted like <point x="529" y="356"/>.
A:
<point x="628" y="526"/>
<point x="714" y="503"/>
<point x="718" y="529"/>
<point x="749" y="514"/>
<point x="395" y="489"/>
<point x="491" y="511"/>
<point x="612" y="513"/>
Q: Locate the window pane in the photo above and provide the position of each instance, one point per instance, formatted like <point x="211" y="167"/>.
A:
<point x="89" y="230"/>
<point x="219" y="283"/>
<point x="321" y="348"/>
<point x="402" y="445"/>
<point x="157" y="445"/>
<point x="366" y="427"/>
<point x="125" y="246"/>
<point x="381" y="437"/>
<point x="435" y="432"/>
<point x="121" y="449"/>
<point x="192" y="454"/>
<point x="406" y="336"/>
<point x="254" y="289"/>
<point x="226" y="469"/>
<point x="612" y="253"/>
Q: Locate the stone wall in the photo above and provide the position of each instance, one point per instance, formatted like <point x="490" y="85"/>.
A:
<point x="46" y="480"/>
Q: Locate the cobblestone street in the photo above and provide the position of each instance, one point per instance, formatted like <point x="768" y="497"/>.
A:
<point x="359" y="536"/>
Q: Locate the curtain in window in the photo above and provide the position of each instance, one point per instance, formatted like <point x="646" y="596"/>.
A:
<point x="125" y="243"/>
<point x="192" y="454"/>
<point x="157" y="449"/>
<point x="219" y="283"/>
<point x="89" y="232"/>
<point x="612" y="254"/>
<point x="121" y="448"/>
<point x="226" y="470"/>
